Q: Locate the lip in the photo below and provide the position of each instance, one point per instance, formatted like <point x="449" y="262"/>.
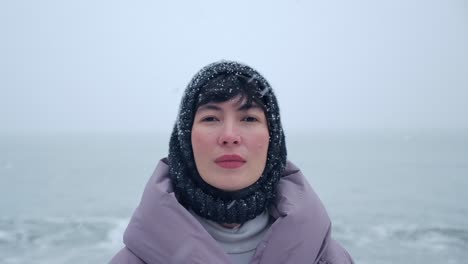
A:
<point x="230" y="161"/>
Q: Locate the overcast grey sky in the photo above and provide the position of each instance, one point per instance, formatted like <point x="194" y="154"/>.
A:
<point x="123" y="65"/>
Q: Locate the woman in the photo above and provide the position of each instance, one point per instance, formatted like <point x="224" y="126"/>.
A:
<point x="226" y="193"/>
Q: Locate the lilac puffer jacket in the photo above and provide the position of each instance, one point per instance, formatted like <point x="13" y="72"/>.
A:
<point x="163" y="231"/>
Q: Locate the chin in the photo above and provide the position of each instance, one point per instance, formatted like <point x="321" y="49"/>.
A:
<point x="231" y="187"/>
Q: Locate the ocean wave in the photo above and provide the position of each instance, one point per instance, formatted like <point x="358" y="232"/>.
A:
<point x="38" y="240"/>
<point x="19" y="234"/>
<point x="406" y="235"/>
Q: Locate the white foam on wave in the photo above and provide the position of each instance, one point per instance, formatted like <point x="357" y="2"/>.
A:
<point x="11" y="260"/>
<point x="5" y="237"/>
<point x="115" y="235"/>
<point x="56" y="231"/>
<point x="343" y="232"/>
<point x="430" y="237"/>
<point x="410" y="235"/>
<point x="26" y="239"/>
<point x="7" y="165"/>
<point x="437" y="242"/>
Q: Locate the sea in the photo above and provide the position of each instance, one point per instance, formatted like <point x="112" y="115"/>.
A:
<point x="393" y="197"/>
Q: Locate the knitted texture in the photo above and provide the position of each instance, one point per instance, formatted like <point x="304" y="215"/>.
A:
<point x="195" y="194"/>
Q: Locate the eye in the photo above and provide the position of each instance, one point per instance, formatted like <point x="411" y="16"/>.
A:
<point x="250" y="119"/>
<point x="209" y="119"/>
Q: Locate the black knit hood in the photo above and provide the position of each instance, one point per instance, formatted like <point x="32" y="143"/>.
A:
<point x="194" y="193"/>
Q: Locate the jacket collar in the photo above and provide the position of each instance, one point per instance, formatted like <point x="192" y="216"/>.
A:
<point x="163" y="231"/>
<point x="302" y="228"/>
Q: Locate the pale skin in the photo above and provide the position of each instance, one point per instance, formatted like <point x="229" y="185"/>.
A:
<point x="230" y="128"/>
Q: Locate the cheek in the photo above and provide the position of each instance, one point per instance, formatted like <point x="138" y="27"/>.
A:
<point x="197" y="141"/>
<point x="261" y="142"/>
<point x="202" y="142"/>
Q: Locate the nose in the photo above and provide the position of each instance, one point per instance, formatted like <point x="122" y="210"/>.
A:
<point x="229" y="135"/>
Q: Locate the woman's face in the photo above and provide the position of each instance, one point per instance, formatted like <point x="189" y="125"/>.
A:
<point x="230" y="143"/>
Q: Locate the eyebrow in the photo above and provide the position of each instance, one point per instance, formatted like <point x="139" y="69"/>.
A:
<point x="242" y="108"/>
<point x="209" y="107"/>
<point x="245" y="107"/>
